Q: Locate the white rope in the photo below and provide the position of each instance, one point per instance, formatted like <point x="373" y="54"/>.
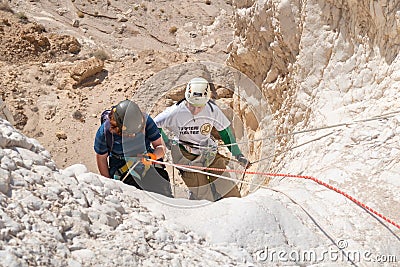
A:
<point x="130" y="170"/>
<point x="287" y="150"/>
<point x="379" y="117"/>
<point x="203" y="172"/>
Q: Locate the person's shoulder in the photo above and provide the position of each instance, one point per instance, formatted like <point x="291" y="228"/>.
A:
<point x="174" y="108"/>
<point x="169" y="112"/>
<point x="178" y="104"/>
<point x="212" y="106"/>
<point x="214" y="110"/>
<point x="148" y="118"/>
<point x="100" y="134"/>
<point x="212" y="103"/>
<point x="100" y="130"/>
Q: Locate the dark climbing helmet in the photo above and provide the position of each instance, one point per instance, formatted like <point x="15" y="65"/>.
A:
<point x="129" y="117"/>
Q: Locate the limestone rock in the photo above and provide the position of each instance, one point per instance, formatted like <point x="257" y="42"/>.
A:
<point x="86" y="69"/>
<point x="61" y="135"/>
<point x="5" y="112"/>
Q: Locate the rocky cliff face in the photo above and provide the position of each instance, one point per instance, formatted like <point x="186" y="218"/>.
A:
<point x="69" y="217"/>
<point x="324" y="63"/>
<point x="54" y="89"/>
<point x="328" y="72"/>
<point x="296" y="51"/>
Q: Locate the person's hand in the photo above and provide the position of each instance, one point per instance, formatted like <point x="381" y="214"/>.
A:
<point x="147" y="156"/>
<point x="168" y="144"/>
<point x="243" y="161"/>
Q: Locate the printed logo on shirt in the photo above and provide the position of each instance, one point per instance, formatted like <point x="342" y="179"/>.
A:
<point x="189" y="130"/>
<point x="205" y="129"/>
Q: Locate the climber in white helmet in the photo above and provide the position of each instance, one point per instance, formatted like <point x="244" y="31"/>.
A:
<point x="190" y="121"/>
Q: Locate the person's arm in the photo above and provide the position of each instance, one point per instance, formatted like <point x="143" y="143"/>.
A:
<point x="101" y="150"/>
<point x="165" y="138"/>
<point x="155" y="137"/>
<point x="159" y="148"/>
<point x="228" y="138"/>
<point x="102" y="164"/>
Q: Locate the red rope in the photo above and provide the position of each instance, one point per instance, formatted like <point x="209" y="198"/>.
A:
<point x="298" y="176"/>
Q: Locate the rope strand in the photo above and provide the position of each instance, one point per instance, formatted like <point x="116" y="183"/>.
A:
<point x="201" y="170"/>
<point x="354" y="200"/>
<point x="378" y="117"/>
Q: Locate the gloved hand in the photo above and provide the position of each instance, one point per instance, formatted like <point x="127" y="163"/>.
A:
<point x="168" y="144"/>
<point x="243" y="161"/>
<point x="147" y="156"/>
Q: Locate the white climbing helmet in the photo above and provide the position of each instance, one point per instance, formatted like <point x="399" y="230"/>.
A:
<point x="198" y="92"/>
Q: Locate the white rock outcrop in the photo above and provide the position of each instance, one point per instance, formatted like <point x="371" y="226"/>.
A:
<point x="70" y="217"/>
<point x="321" y="64"/>
<point x="5" y="112"/>
<point x="330" y="74"/>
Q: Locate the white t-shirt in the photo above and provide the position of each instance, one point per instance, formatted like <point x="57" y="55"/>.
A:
<point x="191" y="128"/>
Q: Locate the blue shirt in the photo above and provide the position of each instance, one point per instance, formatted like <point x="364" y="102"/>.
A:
<point x="127" y="146"/>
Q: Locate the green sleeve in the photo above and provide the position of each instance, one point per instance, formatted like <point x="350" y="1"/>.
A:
<point x="228" y="138"/>
<point x="164" y="135"/>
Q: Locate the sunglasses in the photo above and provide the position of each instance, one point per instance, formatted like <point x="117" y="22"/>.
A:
<point x="113" y="117"/>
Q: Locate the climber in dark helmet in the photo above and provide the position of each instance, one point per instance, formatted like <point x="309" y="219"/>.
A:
<point x="191" y="121"/>
<point x="125" y="143"/>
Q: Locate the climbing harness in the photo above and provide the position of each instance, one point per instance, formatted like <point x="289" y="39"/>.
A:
<point x="209" y="153"/>
<point x="129" y="168"/>
<point x="132" y="172"/>
<point x="206" y="157"/>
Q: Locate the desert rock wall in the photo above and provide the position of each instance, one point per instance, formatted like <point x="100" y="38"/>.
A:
<point x="321" y="64"/>
<point x="295" y="50"/>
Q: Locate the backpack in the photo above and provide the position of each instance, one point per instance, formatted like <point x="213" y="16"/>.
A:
<point x="108" y="135"/>
<point x="104" y="116"/>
